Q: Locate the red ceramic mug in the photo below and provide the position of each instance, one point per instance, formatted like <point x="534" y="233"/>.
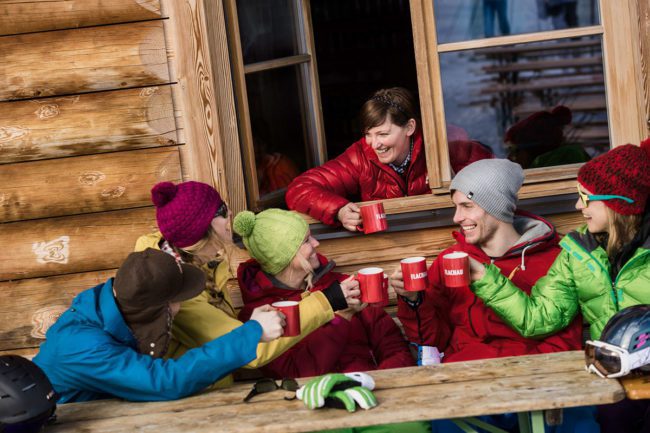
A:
<point x="373" y="218"/>
<point x="384" y="291"/>
<point x="371" y="284"/>
<point x="414" y="272"/>
<point x="291" y="310"/>
<point x="455" y="267"/>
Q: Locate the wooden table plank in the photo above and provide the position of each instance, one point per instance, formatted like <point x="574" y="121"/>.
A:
<point x="407" y="394"/>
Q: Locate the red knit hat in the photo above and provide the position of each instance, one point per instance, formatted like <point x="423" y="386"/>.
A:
<point x="542" y="128"/>
<point x="624" y="170"/>
<point x="184" y="211"/>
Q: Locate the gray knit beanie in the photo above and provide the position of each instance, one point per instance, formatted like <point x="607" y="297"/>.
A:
<point x="492" y="184"/>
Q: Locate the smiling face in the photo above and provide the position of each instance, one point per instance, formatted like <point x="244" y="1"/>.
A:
<point x="477" y="225"/>
<point x="391" y="142"/>
<point x="595" y="213"/>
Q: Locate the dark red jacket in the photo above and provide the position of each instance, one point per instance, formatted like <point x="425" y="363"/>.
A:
<point x="355" y="175"/>
<point x="461" y="326"/>
<point x="369" y="341"/>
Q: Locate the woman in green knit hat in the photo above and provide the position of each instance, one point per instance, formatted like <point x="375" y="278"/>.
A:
<point x="194" y="223"/>
<point x="285" y="265"/>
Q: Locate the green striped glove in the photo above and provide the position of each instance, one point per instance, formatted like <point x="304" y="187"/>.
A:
<point x="357" y="394"/>
<point x="314" y="392"/>
<point x="343" y="391"/>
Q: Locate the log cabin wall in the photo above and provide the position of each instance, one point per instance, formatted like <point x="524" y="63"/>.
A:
<point x="99" y="100"/>
<point x="644" y="37"/>
<point x="87" y="125"/>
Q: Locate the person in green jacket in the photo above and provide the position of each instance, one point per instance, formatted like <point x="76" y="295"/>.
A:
<point x="194" y="224"/>
<point x="604" y="266"/>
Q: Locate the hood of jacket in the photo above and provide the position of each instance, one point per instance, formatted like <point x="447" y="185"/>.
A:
<point x="536" y="234"/>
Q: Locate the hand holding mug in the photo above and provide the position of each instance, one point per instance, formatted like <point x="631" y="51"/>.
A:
<point x="397" y="282"/>
<point x="351" y="291"/>
<point x="350" y="216"/>
<point x="271" y="321"/>
<point x="476" y="269"/>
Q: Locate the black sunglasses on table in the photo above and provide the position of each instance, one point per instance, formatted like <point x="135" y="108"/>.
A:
<point x="266" y="384"/>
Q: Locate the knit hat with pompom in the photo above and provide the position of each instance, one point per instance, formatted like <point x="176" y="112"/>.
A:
<point x="624" y="170"/>
<point x="272" y="237"/>
<point x="184" y="211"/>
<point x="542" y="128"/>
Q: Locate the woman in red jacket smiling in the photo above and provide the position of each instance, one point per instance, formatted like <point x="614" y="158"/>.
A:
<point x="388" y="162"/>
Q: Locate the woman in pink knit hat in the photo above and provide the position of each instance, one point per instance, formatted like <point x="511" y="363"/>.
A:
<point x="604" y="267"/>
<point x="194" y="224"/>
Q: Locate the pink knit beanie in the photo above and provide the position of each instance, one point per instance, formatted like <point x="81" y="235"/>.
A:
<point x="184" y="211"/>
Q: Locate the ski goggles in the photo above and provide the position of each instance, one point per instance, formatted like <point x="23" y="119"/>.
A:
<point x="586" y="198"/>
<point x="607" y="360"/>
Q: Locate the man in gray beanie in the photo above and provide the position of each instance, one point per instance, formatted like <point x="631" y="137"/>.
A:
<point x="522" y="245"/>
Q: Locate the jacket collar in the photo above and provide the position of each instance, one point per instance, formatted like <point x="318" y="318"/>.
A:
<point x="256" y="284"/>
<point x="113" y="322"/>
<point x="536" y="233"/>
<point x="418" y="148"/>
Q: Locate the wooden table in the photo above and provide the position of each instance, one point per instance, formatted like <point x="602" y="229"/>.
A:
<point x="457" y="390"/>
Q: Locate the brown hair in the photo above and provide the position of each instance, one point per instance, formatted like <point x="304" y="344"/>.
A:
<point x="620" y="231"/>
<point x="396" y="102"/>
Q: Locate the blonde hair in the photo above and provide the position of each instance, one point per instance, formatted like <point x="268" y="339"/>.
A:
<point x="193" y="255"/>
<point x="304" y="264"/>
<point x="621" y="229"/>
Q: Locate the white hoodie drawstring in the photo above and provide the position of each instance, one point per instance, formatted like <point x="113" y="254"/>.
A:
<point x="523" y="253"/>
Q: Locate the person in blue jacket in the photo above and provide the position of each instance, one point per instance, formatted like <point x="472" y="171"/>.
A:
<point x="111" y="341"/>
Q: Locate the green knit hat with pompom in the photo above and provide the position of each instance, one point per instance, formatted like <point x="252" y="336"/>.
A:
<point x="272" y="237"/>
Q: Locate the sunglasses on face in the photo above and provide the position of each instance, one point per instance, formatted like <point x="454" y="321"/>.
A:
<point x="268" y="385"/>
<point x="586" y="198"/>
<point x="607" y="360"/>
<point x="222" y="211"/>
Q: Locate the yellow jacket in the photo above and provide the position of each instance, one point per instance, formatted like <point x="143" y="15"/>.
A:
<point x="211" y="315"/>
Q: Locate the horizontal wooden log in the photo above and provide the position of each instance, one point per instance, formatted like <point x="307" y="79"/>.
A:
<point x="86" y="124"/>
<point x="26" y="16"/>
<point x="66" y="245"/>
<point x="67" y="62"/>
<point x="30" y="306"/>
<point x="84" y="184"/>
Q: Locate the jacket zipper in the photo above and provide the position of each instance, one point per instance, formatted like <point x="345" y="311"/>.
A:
<point x="621" y="271"/>
<point x="469" y="316"/>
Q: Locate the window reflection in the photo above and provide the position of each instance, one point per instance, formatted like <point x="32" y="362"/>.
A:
<point x="278" y="128"/>
<point x="540" y="104"/>
<point x="461" y="20"/>
<point x="267" y="29"/>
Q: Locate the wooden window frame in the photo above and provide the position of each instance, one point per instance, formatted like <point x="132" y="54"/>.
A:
<point x="312" y="118"/>
<point x="620" y="32"/>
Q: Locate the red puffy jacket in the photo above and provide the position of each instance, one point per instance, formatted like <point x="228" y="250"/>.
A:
<point x="461" y="326"/>
<point x="355" y="174"/>
<point x="369" y="341"/>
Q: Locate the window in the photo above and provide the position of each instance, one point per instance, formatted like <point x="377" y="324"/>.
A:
<point x="476" y="78"/>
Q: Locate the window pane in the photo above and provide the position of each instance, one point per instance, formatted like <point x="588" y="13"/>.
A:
<point x="506" y="94"/>
<point x="462" y="20"/>
<point x="361" y="47"/>
<point x="274" y="101"/>
<point x="267" y="29"/>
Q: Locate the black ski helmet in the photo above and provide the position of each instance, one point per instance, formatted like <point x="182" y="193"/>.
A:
<point x="27" y="399"/>
<point x="629" y="329"/>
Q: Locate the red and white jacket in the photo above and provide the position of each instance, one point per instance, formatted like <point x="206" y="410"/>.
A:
<point x="460" y="325"/>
